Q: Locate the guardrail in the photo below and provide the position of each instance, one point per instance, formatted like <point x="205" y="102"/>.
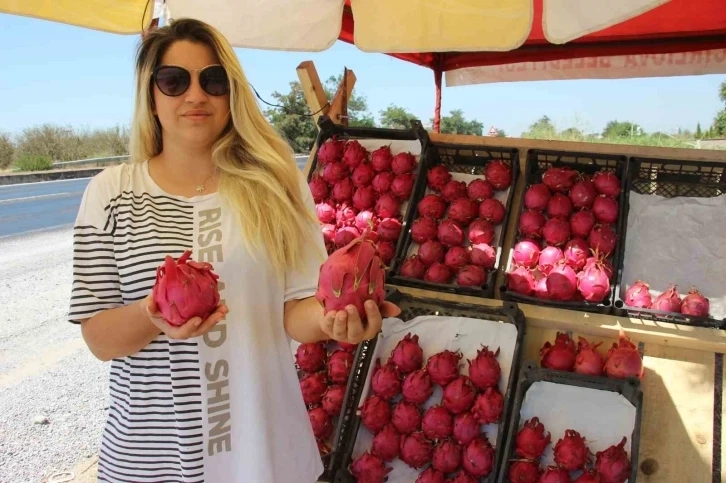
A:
<point x="300" y="159"/>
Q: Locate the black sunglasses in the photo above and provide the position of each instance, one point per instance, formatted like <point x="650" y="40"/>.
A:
<point x="174" y="81"/>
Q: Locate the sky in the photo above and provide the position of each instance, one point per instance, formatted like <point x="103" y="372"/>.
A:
<point x="61" y="74"/>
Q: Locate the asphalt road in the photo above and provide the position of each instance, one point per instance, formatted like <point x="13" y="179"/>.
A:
<point x="53" y="204"/>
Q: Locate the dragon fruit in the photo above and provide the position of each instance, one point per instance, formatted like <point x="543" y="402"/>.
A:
<point x="522" y="471"/>
<point x="483" y="255"/>
<point x="623" y="360"/>
<point x="313" y="387"/>
<point x="479" y="190"/>
<point x="605" y="209"/>
<point x="365" y="220"/>
<point x="443" y="367"/>
<point x="413" y="267"/>
<point x="459" y="395"/>
<point x="589" y="361"/>
<point x="340" y="363"/>
<point x="695" y="304"/>
<point x="369" y="468"/>
<point x="463" y="210"/>
<point x="406" y="417"/>
<point x="331" y="151"/>
<point x="375" y="413"/>
<point x="437" y="423"/>
<point x="323" y="448"/>
<point x="453" y="190"/>
<point x="415" y="450"/>
<point x="561" y="356"/>
<point x="540" y="289"/>
<point x="484" y="370"/>
<point x="554" y="474"/>
<point x="668" y="301"/>
<point x="402" y="186"/>
<point x="593" y="283"/>
<point x="437" y="177"/>
<point x="556" y="231"/>
<point x="381" y="159"/>
<point x="638" y="295"/>
<point x="589" y="476"/>
<point x="559" y="179"/>
<point x="364" y="198"/>
<point x="478" y="457"/>
<point x="471" y="276"/>
<point x="537" y="196"/>
<point x="185" y="289"/>
<point x="352" y="275"/>
<point x="387" y="250"/>
<point x="333" y="399"/>
<point x="560" y="205"/>
<point x="465" y="429"/>
<point x="602" y="262"/>
<point x="386" y="381"/>
<point x="526" y="253"/>
<point x="576" y="252"/>
<point x="387" y="443"/>
<point x="492" y="210"/>
<point x="355" y="154"/>
<point x="521" y="280"/>
<point x="407" y="356"/>
<point x="417" y="387"/>
<point x="363" y="175"/>
<point x="456" y="258"/>
<point x="531" y="223"/>
<point x="481" y="231"/>
<point x="423" y="229"/>
<point x="438" y="273"/>
<point x="498" y="174"/>
<point x="461" y="476"/>
<point x="345" y="215"/>
<point x="562" y="282"/>
<point x="403" y="163"/>
<point x="548" y="258"/>
<point x="487" y="408"/>
<point x="613" y="464"/>
<point x="431" y="475"/>
<point x="432" y="206"/>
<point x="329" y="232"/>
<point x="348" y="347"/>
<point x="389" y="229"/>
<point x="447" y="456"/>
<point x="430" y="252"/>
<point x="334" y="172"/>
<point x="582" y="223"/>
<point x="531" y="440"/>
<point x="607" y="183"/>
<point x="321" y="423"/>
<point x="603" y="239"/>
<point x="310" y="357"/>
<point x="345" y="235"/>
<point x="382" y="182"/>
<point x="388" y="206"/>
<point x="583" y="193"/>
<point x="318" y="188"/>
<point x="571" y="451"/>
<point x="450" y="233"/>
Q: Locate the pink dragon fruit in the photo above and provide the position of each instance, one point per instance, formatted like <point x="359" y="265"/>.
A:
<point x="431" y="475"/>
<point x="386" y="381"/>
<point x="437" y="177"/>
<point x="471" y="276"/>
<point x="479" y="189"/>
<point x="381" y="159"/>
<point x="481" y="231"/>
<point x="484" y="370"/>
<point x="432" y="206"/>
<point x="311" y="357"/>
<point x="313" y="387"/>
<point x="318" y="188"/>
<point x="443" y="367"/>
<point x="403" y="163"/>
<point x="478" y="458"/>
<point x="456" y="258"/>
<point x="333" y="399"/>
<point x="375" y="413"/>
<point x="389" y="229"/>
<point x="365" y="220"/>
<point x="185" y="289"/>
<point x="407" y="356"/>
<point x="382" y="182"/>
<point x="406" y="417"/>
<point x="321" y="423"/>
<point x="437" y="423"/>
<point x="413" y="267"/>
<point x="417" y="387"/>
<point x="447" y="456"/>
<point x="483" y="255"/>
<point x="354" y="154"/>
<point x="340" y="363"/>
<point x="369" y="468"/>
<point x="424" y="229"/>
<point x="459" y="395"/>
<point x="331" y="151"/>
<point x="453" y="190"/>
<point x="387" y="443"/>
<point x="531" y="440"/>
<point x="363" y="175"/>
<point x="402" y="186"/>
<point x="416" y="450"/>
<point x="388" y="206"/>
<point x="334" y="172"/>
<point x="466" y="428"/>
<point x="488" y="406"/>
<point x="345" y="235"/>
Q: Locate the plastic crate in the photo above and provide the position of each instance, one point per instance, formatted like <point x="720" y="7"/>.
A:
<point x="670" y="179"/>
<point x="412" y="307"/>
<point x="458" y="158"/>
<point x="328" y="129"/>
<point x="530" y="373"/>
<point x="538" y="161"/>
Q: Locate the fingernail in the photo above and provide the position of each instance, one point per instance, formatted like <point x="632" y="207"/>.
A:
<point x="350" y="309"/>
<point x="198" y="323"/>
<point x="370" y="304"/>
<point x="340" y="317"/>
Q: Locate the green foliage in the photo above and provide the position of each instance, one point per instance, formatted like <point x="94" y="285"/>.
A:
<point x="572" y="134"/>
<point x="62" y="143"/>
<point x="501" y="133"/>
<point x="456" y="123"/>
<point x="6" y="150"/>
<point x="719" y="125"/>
<point x="722" y="91"/>
<point x="618" y="129"/>
<point x="699" y="133"/>
<point x="396" y="117"/>
<point x="543" y="128"/>
<point x="33" y="162"/>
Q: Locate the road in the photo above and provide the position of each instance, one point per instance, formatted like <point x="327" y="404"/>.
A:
<point x="40" y="206"/>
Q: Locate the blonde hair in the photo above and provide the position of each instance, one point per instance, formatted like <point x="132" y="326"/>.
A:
<point x="258" y="175"/>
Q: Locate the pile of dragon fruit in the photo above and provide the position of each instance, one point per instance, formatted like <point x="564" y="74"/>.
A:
<point x="355" y="189"/>
<point x="324" y="370"/>
<point x="445" y="439"/>
<point x="621" y="361"/>
<point x="571" y="455"/>
<point x="455" y="229"/>
<point x="694" y="303"/>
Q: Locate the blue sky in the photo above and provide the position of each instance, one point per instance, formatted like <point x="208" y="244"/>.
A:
<point x="53" y="73"/>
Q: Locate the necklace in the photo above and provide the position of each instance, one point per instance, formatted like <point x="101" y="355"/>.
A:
<point x="200" y="187"/>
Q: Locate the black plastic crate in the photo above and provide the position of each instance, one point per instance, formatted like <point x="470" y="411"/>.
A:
<point x="539" y="161"/>
<point x="328" y="129"/>
<point x="458" y="158"/>
<point x="670" y="179"/>
<point x="412" y="307"/>
<point x="531" y="373"/>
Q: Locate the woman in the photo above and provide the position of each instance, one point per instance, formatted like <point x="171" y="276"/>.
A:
<point x="214" y="400"/>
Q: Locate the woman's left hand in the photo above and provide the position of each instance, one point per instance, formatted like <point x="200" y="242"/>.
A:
<point x="347" y="326"/>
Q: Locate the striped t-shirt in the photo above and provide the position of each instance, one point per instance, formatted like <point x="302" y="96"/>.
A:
<point x="221" y="408"/>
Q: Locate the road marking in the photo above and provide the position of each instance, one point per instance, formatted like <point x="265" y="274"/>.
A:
<point x="40" y="197"/>
<point x="42" y="182"/>
<point x="38" y="364"/>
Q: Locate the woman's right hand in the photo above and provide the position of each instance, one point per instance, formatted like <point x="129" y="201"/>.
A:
<point x="193" y="327"/>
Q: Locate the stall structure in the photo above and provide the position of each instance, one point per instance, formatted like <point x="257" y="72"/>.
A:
<point x="677" y="408"/>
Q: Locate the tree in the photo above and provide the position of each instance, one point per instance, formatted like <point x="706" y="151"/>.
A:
<point x="396" y="117"/>
<point x="719" y="123"/>
<point x="572" y="133"/>
<point x="456" y="123"/>
<point x="699" y="133"/>
<point x="501" y="133"/>
<point x="722" y="91"/>
<point x="543" y="128"/>
<point x="624" y="129"/>
<point x="6" y="150"/>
